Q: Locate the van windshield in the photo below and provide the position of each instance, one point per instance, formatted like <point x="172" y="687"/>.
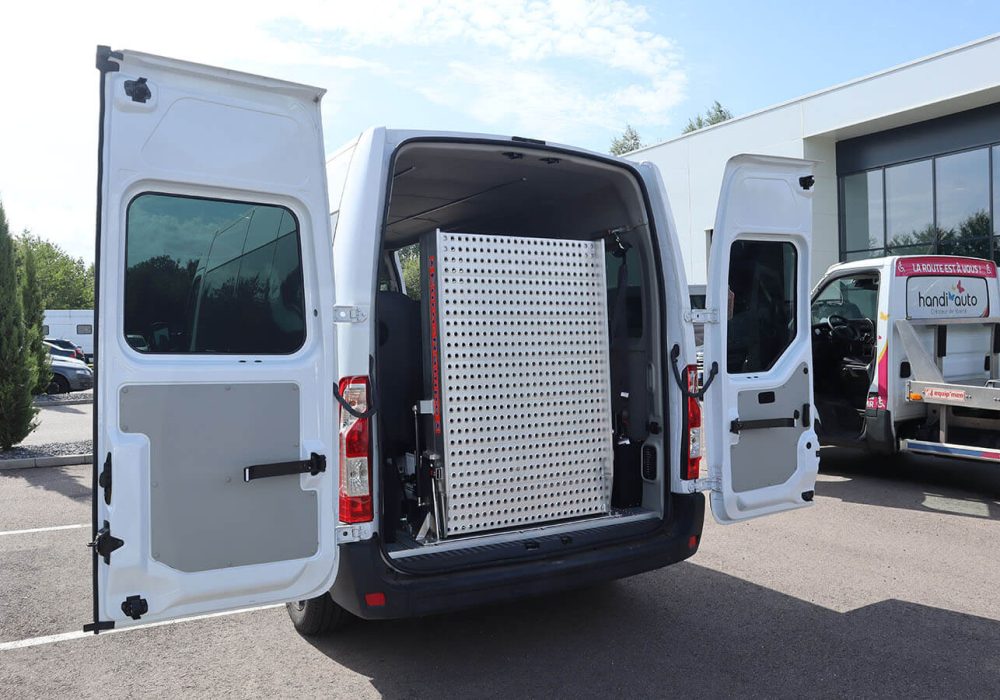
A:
<point x="853" y="297"/>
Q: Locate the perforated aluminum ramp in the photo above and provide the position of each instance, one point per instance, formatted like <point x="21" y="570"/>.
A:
<point x="524" y="380"/>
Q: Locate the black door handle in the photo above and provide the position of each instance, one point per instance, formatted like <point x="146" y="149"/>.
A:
<point x="314" y="465"/>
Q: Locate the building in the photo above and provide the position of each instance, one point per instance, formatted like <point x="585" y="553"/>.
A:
<point x="908" y="161"/>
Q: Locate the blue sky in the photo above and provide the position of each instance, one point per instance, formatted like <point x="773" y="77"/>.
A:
<point x="569" y="70"/>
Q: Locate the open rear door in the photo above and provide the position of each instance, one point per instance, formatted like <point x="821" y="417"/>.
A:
<point x="215" y="451"/>
<point x="762" y="449"/>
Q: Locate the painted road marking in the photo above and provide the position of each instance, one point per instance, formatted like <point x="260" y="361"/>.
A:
<point x="65" y="636"/>
<point x="44" y="529"/>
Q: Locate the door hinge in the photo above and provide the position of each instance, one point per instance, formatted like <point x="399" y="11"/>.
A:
<point x="135" y="606"/>
<point x="349" y="314"/>
<point x="105" y="543"/>
<point x="702" y="316"/>
<point x="354" y="533"/>
<point x="104" y="480"/>
<point x="138" y="90"/>
<point x="706" y="484"/>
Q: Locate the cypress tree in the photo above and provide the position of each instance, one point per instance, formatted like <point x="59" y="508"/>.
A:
<point x="34" y="316"/>
<point x="16" y="410"/>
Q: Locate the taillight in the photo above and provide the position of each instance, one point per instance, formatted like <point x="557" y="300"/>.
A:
<point x="355" y="461"/>
<point x="694" y="426"/>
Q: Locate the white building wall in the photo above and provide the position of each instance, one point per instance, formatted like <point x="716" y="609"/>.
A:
<point x="809" y="127"/>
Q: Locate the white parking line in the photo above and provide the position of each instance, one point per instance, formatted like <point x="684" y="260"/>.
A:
<point x="65" y="636"/>
<point x="43" y="529"/>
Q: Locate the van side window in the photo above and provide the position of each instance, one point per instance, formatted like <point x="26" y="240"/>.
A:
<point x="212" y="276"/>
<point x="45" y="331"/>
<point x="84" y="329"/>
<point x="762" y="285"/>
<point x="409" y="260"/>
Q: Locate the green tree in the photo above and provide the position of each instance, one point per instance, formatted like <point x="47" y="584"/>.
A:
<point x="33" y="310"/>
<point x="66" y="282"/>
<point x="626" y="143"/>
<point x="713" y="115"/>
<point x="409" y="258"/>
<point x="17" y="413"/>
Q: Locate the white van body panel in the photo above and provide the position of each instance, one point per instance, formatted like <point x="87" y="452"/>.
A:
<point x="176" y="430"/>
<point x="72" y="325"/>
<point x="769" y="200"/>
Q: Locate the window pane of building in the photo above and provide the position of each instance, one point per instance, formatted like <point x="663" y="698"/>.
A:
<point x="909" y="206"/>
<point x="963" y="203"/>
<point x="996" y="188"/>
<point x="864" y="254"/>
<point x="863" y="224"/>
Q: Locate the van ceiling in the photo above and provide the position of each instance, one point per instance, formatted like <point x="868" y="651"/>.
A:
<point x="507" y="189"/>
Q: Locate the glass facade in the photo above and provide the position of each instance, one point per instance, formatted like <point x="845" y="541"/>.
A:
<point x="944" y="205"/>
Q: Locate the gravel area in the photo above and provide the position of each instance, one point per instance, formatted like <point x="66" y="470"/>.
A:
<point x="55" y="399"/>
<point x="58" y="449"/>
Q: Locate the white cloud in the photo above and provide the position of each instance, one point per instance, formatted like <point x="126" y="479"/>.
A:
<point x="565" y="69"/>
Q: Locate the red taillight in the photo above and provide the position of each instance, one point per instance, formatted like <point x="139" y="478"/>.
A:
<point x="355" y="461"/>
<point x="693" y="466"/>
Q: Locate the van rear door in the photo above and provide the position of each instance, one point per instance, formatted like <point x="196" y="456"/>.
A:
<point x="762" y="450"/>
<point x="216" y="456"/>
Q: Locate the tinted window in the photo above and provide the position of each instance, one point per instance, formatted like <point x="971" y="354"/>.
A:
<point x="45" y="330"/>
<point x="211" y="276"/>
<point x="762" y="285"/>
<point x="84" y="329"/>
<point x="909" y="208"/>
<point x="863" y="201"/>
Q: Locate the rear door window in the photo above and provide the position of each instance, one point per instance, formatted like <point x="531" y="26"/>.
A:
<point x="762" y="298"/>
<point x="212" y="276"/>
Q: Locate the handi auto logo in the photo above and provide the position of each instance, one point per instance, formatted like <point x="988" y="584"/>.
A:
<point x="955" y="297"/>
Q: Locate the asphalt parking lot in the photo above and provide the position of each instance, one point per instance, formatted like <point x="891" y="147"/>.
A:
<point x="888" y="586"/>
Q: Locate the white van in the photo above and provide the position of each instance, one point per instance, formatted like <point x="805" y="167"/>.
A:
<point x="74" y="325"/>
<point x="905" y="351"/>
<point x="469" y="382"/>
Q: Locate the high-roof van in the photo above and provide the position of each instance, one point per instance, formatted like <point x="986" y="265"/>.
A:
<point x="435" y="370"/>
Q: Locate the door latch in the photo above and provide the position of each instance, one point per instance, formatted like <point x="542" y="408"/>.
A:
<point x="349" y="314"/>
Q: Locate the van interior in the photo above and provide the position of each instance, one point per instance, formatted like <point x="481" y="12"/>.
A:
<point x="526" y="192"/>
<point x="843" y="340"/>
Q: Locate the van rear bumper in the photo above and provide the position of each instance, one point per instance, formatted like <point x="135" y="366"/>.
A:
<point x="364" y="569"/>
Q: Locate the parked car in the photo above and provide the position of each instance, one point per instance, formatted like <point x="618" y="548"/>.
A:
<point x="64" y="344"/>
<point x="68" y="375"/>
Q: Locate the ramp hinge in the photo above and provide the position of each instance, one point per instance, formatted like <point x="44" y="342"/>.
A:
<point x="702" y="316"/>
<point x="349" y="314"/>
<point x="706" y="484"/>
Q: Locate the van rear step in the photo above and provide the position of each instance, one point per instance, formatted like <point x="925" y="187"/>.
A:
<point x="949" y="450"/>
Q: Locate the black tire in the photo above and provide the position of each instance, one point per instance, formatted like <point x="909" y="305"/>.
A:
<point x="58" y="385"/>
<point x="318" y="616"/>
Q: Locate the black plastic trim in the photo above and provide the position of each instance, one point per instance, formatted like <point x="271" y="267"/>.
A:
<point x="105" y="65"/>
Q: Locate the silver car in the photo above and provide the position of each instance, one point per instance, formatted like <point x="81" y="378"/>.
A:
<point x="69" y="375"/>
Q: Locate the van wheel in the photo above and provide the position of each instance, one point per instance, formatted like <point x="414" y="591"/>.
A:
<point x="58" y="385"/>
<point x="317" y="616"/>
